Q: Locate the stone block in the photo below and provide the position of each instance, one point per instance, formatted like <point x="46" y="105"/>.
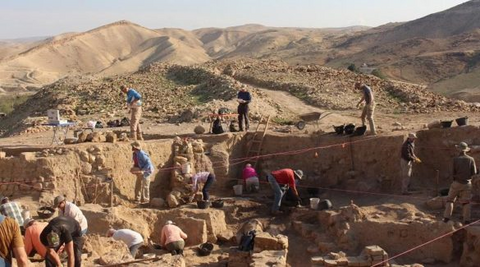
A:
<point x="28" y="156"/>
<point x="196" y="230"/>
<point x="111" y="137"/>
<point x="239" y="258"/>
<point x="38" y="186"/>
<point x="374" y="251"/>
<point x="266" y="241"/>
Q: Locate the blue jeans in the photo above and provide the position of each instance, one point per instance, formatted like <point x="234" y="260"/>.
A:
<point x="4" y="263"/>
<point x="83" y="232"/>
<point x="277" y="191"/>
<point x="208" y="184"/>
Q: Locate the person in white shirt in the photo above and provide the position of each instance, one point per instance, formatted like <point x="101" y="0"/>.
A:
<point x="68" y="209"/>
<point x="205" y="178"/>
<point x="133" y="239"/>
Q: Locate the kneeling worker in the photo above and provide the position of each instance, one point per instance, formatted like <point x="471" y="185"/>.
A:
<point x="133" y="239"/>
<point x="281" y="181"/>
<point x="173" y="238"/>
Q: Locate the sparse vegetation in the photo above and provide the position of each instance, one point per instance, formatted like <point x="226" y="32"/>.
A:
<point x="9" y="102"/>
<point x="352" y="67"/>
<point x="378" y="73"/>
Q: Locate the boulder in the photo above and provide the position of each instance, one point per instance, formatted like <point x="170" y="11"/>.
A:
<point x="199" y="129"/>
<point x="111" y="137"/>
<point x="266" y="241"/>
<point x="82" y="137"/>
<point x="157" y="202"/>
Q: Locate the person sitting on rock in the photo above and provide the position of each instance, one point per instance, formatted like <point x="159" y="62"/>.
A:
<point x="281" y="181"/>
<point x="143" y="169"/>
<point x="205" y="178"/>
<point x="11" y="209"/>
<point x="62" y="231"/>
<point x="172" y="238"/>
<point x="132" y="239"/>
<point x="33" y="229"/>
<point x="68" y="209"/>
<point x="250" y="178"/>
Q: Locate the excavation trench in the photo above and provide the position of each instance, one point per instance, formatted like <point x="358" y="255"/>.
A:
<point x="359" y="174"/>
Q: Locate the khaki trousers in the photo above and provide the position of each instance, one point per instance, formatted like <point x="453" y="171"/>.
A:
<point x="135" y="130"/>
<point x="367" y="113"/>
<point x="462" y="192"/>
<point x="142" y="188"/>
<point x="406" y="168"/>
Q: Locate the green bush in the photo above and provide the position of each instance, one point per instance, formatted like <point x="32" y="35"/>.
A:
<point x="378" y="73"/>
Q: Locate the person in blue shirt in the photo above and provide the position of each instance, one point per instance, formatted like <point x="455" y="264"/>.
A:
<point x="134" y="104"/>
<point x="369" y="108"/>
<point x="243" y="98"/>
<point x="143" y="169"/>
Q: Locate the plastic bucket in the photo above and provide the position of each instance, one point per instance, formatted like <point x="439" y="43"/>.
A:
<point x="462" y="121"/>
<point x="314" y="203"/>
<point x="238" y="189"/>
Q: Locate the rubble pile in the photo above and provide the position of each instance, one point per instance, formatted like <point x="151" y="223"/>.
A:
<point x="334" y="89"/>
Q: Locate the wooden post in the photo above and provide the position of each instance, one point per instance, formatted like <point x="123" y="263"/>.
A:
<point x="111" y="193"/>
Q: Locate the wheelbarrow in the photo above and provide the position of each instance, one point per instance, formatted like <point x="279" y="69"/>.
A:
<point x="310" y="117"/>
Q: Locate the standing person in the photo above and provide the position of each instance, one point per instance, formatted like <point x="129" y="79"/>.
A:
<point x="243" y="98"/>
<point x="68" y="209"/>
<point x="205" y="178"/>
<point x="369" y="107"/>
<point x="132" y="239"/>
<point x="33" y="245"/>
<point x="134" y="104"/>
<point x="463" y="169"/>
<point x="11" y="240"/>
<point x="143" y="169"/>
<point x="250" y="178"/>
<point x="281" y="181"/>
<point x="62" y="231"/>
<point x="173" y="238"/>
<point x="11" y="209"/>
<point x="407" y="159"/>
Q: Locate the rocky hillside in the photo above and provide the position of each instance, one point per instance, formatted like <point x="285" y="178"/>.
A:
<point x="174" y="93"/>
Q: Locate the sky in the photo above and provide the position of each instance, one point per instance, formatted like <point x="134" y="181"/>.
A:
<point x="31" y="18"/>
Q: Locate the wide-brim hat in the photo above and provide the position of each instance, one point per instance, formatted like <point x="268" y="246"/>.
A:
<point x="58" y="200"/>
<point x="463" y="147"/>
<point x="298" y="174"/>
<point x="136" y="145"/>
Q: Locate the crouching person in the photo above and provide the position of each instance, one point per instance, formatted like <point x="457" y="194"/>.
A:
<point x="281" y="181"/>
<point x="132" y="239"/>
<point x="205" y="178"/>
<point x="173" y="238"/>
<point x="63" y="231"/>
<point x="250" y="178"/>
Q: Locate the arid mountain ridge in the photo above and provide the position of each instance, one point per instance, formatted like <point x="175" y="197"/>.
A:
<point x="440" y="50"/>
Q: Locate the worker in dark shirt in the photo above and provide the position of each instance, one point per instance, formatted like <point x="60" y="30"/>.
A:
<point x="243" y="98"/>
<point x="369" y="108"/>
<point x="281" y="181"/>
<point x="407" y="159"/>
<point x="59" y="231"/>
<point x="463" y="169"/>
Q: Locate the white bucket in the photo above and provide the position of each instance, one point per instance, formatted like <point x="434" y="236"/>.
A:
<point x="314" y="203"/>
<point x="238" y="189"/>
<point x="186" y="168"/>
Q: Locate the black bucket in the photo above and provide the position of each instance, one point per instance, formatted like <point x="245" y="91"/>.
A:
<point x="349" y="128"/>
<point x="339" y="129"/>
<point x="446" y="124"/>
<point x="360" y="130"/>
<point x="462" y="121"/>
<point x="218" y="204"/>
<point x="205" y="249"/>
<point x="325" y="205"/>
<point x="203" y="204"/>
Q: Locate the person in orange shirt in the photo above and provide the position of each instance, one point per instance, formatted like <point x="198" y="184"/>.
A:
<point x="33" y="229"/>
<point x="173" y="238"/>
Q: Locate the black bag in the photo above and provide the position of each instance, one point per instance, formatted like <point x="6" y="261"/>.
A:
<point x="217" y="127"/>
<point x="233" y="127"/>
<point x="125" y="122"/>
<point x="247" y="241"/>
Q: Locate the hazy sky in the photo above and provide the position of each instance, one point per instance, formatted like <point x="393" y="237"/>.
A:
<point x="26" y="18"/>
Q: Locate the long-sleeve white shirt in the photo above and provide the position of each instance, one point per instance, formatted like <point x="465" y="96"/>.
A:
<point x="72" y="211"/>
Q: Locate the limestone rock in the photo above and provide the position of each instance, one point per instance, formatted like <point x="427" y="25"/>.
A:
<point x="157" y="202"/>
<point x="3" y="154"/>
<point x="111" y="137"/>
<point x="28" y="156"/>
<point x="266" y="241"/>
<point x="82" y="137"/>
<point x="199" y="129"/>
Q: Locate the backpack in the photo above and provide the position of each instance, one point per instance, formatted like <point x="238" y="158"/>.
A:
<point x="217" y="127"/>
<point x="247" y="241"/>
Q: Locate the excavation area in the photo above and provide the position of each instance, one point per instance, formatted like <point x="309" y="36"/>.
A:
<point x="369" y="221"/>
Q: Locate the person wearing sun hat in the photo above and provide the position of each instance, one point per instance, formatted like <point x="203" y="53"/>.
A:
<point x="69" y="209"/>
<point x="172" y="238"/>
<point x="281" y="181"/>
<point x="464" y="168"/>
<point x="62" y="231"/>
<point x="407" y="159"/>
<point x="143" y="169"/>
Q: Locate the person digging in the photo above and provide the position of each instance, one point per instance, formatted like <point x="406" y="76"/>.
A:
<point x="281" y="181"/>
<point x="143" y="169"/>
